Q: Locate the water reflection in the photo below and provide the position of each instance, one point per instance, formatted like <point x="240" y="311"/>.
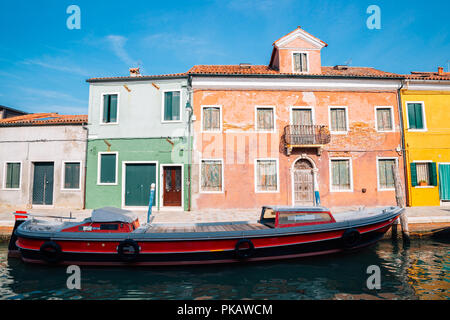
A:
<point x="420" y="271"/>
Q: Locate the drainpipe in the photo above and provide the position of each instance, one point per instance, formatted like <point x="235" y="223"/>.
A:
<point x="85" y="165"/>
<point x="190" y="109"/>
<point x="405" y="170"/>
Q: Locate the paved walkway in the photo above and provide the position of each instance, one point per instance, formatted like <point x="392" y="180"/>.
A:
<point x="415" y="215"/>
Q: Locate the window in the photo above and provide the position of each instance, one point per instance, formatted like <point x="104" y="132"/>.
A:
<point x="265" y="119"/>
<point x="341" y="175"/>
<point x="266" y="175"/>
<point x="211" y="176"/>
<point x="212" y="119"/>
<point x="416" y="116"/>
<point x="338" y="119"/>
<point x="107" y="168"/>
<point x="12" y="175"/>
<point x="301" y="116"/>
<point x="384" y="119"/>
<point x="385" y="173"/>
<point x="172" y="106"/>
<point x="303" y="217"/>
<point x="423" y="174"/>
<point x="300" y="61"/>
<point x="109" y="114"/>
<point x="71" y="175"/>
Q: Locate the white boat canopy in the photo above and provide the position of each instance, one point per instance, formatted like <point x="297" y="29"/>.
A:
<point x="111" y="214"/>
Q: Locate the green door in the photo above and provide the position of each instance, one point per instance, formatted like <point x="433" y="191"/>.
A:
<point x="43" y="183"/>
<point x="444" y="181"/>
<point x="138" y="178"/>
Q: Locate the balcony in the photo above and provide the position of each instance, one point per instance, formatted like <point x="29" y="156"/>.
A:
<point x="306" y="136"/>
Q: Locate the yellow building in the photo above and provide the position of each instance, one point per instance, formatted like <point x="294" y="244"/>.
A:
<point x="425" y="102"/>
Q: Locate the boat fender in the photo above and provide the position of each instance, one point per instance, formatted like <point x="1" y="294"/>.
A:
<point x="124" y="245"/>
<point x="350" y="238"/>
<point x="51" y="252"/>
<point x="244" y="252"/>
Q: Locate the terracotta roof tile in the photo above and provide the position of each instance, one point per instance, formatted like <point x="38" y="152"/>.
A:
<point x="44" y="119"/>
<point x="427" y="76"/>
<point x="266" y="70"/>
<point x="140" y="77"/>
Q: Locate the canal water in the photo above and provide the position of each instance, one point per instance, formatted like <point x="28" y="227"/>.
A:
<point x="418" y="271"/>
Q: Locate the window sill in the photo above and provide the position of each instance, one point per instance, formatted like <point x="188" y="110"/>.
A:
<point x="339" y="132"/>
<point x="424" y="187"/>
<point x="171" y="121"/>
<point x="383" y="131"/>
<point x="70" y="190"/>
<point x="211" y="192"/>
<point x="12" y="189"/>
<point x="108" y="123"/>
<point x="417" y="130"/>
<point x="107" y="184"/>
<point x="349" y="190"/>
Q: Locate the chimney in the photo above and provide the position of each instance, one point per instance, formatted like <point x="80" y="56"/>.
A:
<point x="440" y="71"/>
<point x="245" y="65"/>
<point x="134" y="72"/>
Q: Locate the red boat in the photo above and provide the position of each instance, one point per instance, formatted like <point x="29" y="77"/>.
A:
<point x="113" y="236"/>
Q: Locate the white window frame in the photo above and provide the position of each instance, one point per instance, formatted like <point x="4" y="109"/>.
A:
<point x="221" y="119"/>
<point x="424" y="119"/>
<point x="391" y="108"/>
<point x="346" y="119"/>
<point x="63" y="175"/>
<point x="123" y="182"/>
<point x="200" y="175"/>
<point x="5" y="165"/>
<point x="163" y="93"/>
<point x="255" y="173"/>
<point x="102" y="106"/>
<point x="274" y="130"/>
<point x="379" y="188"/>
<point x="313" y="114"/>
<point x="293" y="62"/>
<point x="331" y="173"/>
<point x="99" y="155"/>
<point x="423" y="161"/>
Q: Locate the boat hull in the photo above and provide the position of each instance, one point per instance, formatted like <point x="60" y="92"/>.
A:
<point x="154" y="252"/>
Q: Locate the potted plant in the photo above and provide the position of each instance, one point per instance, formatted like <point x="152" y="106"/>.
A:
<point x="423" y="183"/>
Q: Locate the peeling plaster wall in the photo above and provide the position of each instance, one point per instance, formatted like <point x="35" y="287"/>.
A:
<point x="239" y="144"/>
<point x="41" y="144"/>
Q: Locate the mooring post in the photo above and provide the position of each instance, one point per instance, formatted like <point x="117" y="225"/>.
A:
<point x="399" y="198"/>
<point x="150" y="203"/>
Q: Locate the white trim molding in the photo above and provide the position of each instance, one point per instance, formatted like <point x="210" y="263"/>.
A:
<point x="99" y="168"/>
<point x="5" y="175"/>
<point x="350" y="168"/>
<point x="391" y="108"/>
<point x="379" y="188"/>
<point x="347" y="125"/>
<point x="200" y="175"/>
<point x="163" y="95"/>
<point x="424" y="119"/>
<point x="255" y="178"/>
<point x="202" y="130"/>
<point x="63" y="176"/>
<point x="313" y="114"/>
<point x="274" y="130"/>
<point x="102" y="106"/>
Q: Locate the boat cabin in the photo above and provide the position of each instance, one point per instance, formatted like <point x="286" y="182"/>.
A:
<point x="283" y="217"/>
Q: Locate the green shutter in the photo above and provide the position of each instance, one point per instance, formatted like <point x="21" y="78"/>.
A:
<point x="168" y="105"/>
<point x="113" y="108"/>
<point x="12" y="175"/>
<point x="108" y="168"/>
<point x="433" y="173"/>
<point x="413" y="174"/>
<point x="418" y="114"/>
<point x="411" y="116"/>
<point x="72" y="175"/>
<point x="415" y="116"/>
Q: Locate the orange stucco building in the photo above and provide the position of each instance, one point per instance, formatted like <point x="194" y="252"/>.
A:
<point x="293" y="131"/>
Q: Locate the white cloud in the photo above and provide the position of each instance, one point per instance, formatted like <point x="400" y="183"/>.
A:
<point x="57" y="64"/>
<point x="118" y="46"/>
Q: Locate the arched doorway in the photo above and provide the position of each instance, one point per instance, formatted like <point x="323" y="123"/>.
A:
<point x="303" y="182"/>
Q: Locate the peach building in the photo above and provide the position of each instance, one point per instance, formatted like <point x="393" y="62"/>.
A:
<point x="294" y="132"/>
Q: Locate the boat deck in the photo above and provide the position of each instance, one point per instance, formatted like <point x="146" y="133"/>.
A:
<point x="163" y="228"/>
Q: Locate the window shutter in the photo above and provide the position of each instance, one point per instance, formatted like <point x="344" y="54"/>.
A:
<point x="113" y="108"/>
<point x="108" y="168"/>
<point x="106" y="108"/>
<point x="411" y="116"/>
<point x="168" y="106"/>
<point x="418" y="115"/>
<point x="433" y="173"/>
<point x="413" y="174"/>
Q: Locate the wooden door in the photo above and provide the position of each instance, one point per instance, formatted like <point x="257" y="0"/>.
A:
<point x="43" y="183"/>
<point x="172" y="186"/>
<point x="303" y="183"/>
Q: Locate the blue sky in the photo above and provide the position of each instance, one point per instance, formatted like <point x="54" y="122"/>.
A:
<point x="44" y="65"/>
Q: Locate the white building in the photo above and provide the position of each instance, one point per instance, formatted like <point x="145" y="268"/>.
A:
<point x="42" y="161"/>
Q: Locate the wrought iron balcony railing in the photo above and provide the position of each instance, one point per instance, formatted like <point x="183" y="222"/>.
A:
<point x="306" y="136"/>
